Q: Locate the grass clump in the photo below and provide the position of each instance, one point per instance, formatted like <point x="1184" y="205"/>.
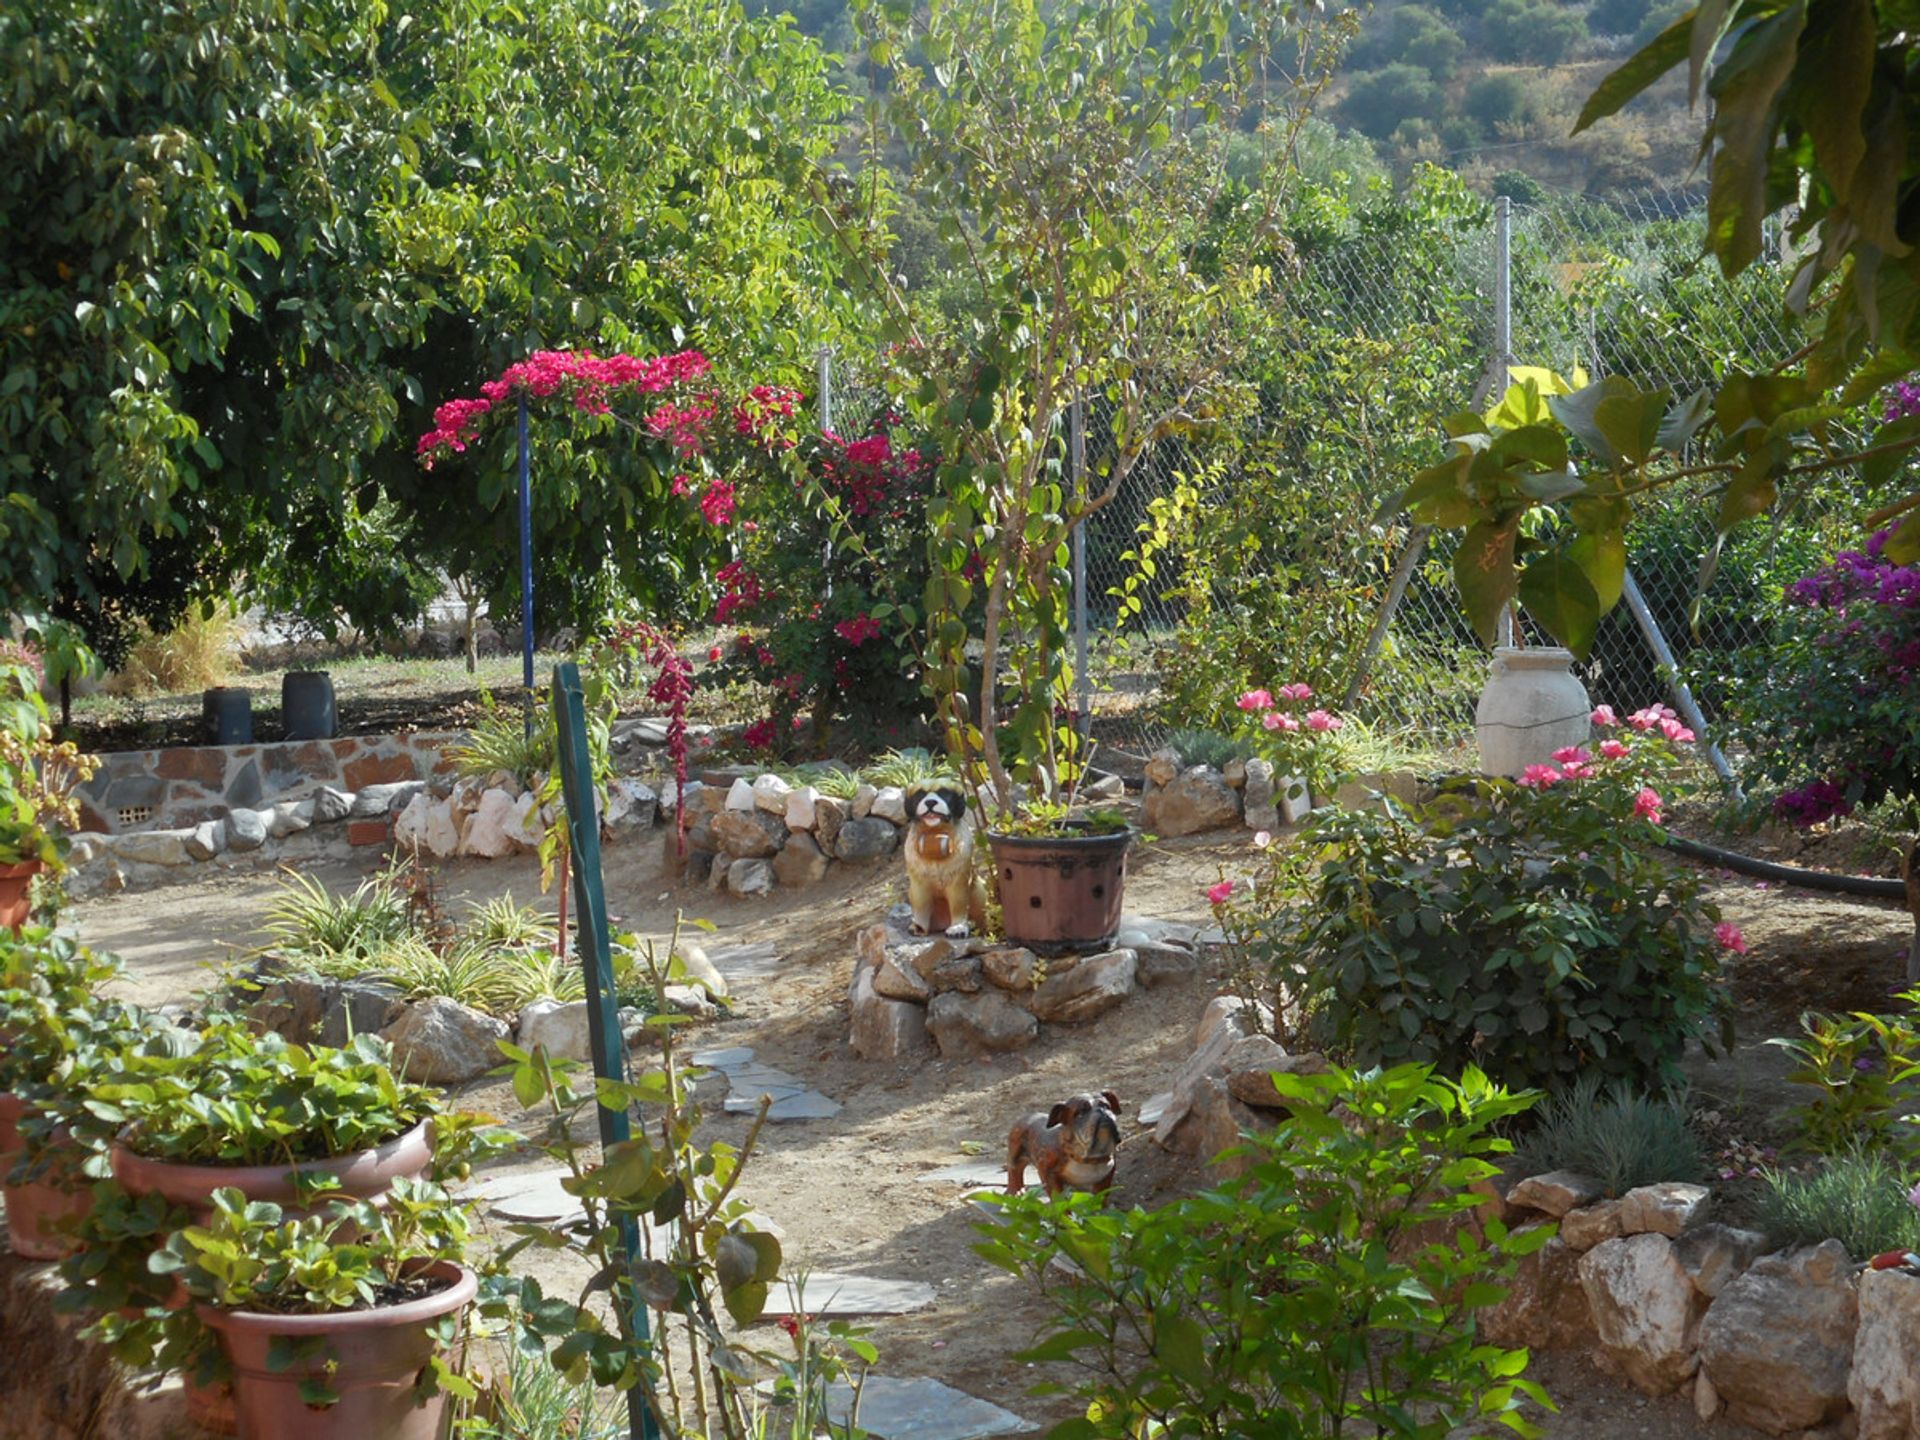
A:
<point x="905" y="768"/>
<point x="1621" y="1136"/>
<point x="1858" y="1198"/>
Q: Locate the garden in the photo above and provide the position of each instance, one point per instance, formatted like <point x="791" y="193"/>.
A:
<point x="951" y="757"/>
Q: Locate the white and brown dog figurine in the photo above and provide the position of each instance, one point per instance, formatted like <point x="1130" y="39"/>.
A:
<point x="1071" y="1146"/>
<point x="939" y="856"/>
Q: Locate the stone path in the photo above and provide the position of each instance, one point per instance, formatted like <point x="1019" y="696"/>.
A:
<point x="972" y="1174"/>
<point x="826" y="1293"/>
<point x="897" y="1408"/>
<point x="748" y="1080"/>
<point x="745" y="961"/>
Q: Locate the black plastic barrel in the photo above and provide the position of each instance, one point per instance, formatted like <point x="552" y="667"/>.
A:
<point x="227" y="712"/>
<point x="306" y="705"/>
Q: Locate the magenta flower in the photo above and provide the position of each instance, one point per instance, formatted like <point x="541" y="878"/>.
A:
<point x="1296" y="691"/>
<point x="1539" y="777"/>
<point x="1613" y="749"/>
<point x="1646" y="805"/>
<point x="1218" y="894"/>
<point x="1729" y="937"/>
<point x="1255" y="700"/>
<point x="1320" y="720"/>
<point x="1603" y="715"/>
<point x="1572" y="755"/>
<point x="1675" y="731"/>
<point x="1279" y="720"/>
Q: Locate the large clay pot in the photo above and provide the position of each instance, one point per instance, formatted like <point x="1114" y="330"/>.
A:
<point x="38" y="1209"/>
<point x="363" y="1175"/>
<point x="371" y="1359"/>
<point x="1533" y="705"/>
<point x="1061" y="893"/>
<point x="14" y="882"/>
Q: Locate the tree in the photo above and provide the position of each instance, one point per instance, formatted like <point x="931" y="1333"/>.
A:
<point x="249" y="243"/>
<point x="1416" y="35"/>
<point x="1532" y="32"/>
<point x="1496" y="100"/>
<point x="1618" y="17"/>
<point x="1379" y="102"/>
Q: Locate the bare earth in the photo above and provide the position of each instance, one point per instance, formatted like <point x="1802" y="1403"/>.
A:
<point x="844" y="1190"/>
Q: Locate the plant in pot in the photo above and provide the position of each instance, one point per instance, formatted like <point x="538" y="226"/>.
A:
<point x="333" y="1324"/>
<point x="1075" y="165"/>
<point x="37" y="777"/>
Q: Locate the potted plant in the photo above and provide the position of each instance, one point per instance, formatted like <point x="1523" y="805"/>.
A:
<point x="333" y="1324"/>
<point x="36" y="791"/>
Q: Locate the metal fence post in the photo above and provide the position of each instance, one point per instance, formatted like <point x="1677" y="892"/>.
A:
<point x="1683" y="700"/>
<point x="1502" y="358"/>
<point x="1077" y="460"/>
<point x="824" y="404"/>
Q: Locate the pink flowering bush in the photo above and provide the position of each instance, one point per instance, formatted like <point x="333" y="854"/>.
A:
<point x="1284" y="727"/>
<point x="1531" y="928"/>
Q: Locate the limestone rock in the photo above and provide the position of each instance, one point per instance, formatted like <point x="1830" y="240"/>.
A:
<point x="1667" y="1208"/>
<point x="717" y="872"/>
<point x="206" y="840"/>
<point x="442" y="1042"/>
<point x="562" y="1026"/>
<point x="1234" y="772"/>
<point x="883" y="1029"/>
<point x="750" y="877"/>
<point x="1555" y="1193"/>
<point x="1645" y="1309"/>
<point x="1586" y="1227"/>
<point x="443" y="829"/>
<point x="986" y="1023"/>
<point x="1201" y="1109"/>
<point x="800" y="862"/>
<point x="246" y="830"/>
<point x="1706" y="1399"/>
<point x="770" y="794"/>
<point x="1546" y="1306"/>
<point x="829" y="815"/>
<point x="740" y="795"/>
<point x="289" y="817"/>
<point x="1156" y="963"/>
<point x="1778" y="1342"/>
<point x="1198" y="800"/>
<point x="153" y="847"/>
<point x="865" y="839"/>
<point x="1712" y="1255"/>
<point x="900" y="982"/>
<point x="691" y="965"/>
<point x="1010" y="969"/>
<point x="643" y="803"/>
<point x="410" y="825"/>
<point x="863" y="799"/>
<point x="1253" y="1062"/>
<point x="1257" y="798"/>
<point x="801" y="807"/>
<point x="525" y="825"/>
<point x="701" y="798"/>
<point x="330" y="805"/>
<point x="1884" y="1386"/>
<point x="377" y="801"/>
<point x="749" y="834"/>
<point x="689" y="1000"/>
<point x="1090" y="988"/>
<point x="890" y="803"/>
<point x="1163" y="768"/>
<point x="487" y="832"/>
<point x="1104" y="787"/>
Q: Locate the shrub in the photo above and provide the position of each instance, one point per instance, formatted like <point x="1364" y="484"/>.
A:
<point x="1621" y="1136"/>
<point x="1859" y="1199"/>
<point x="1531" y="929"/>
<point x="1311" y="1297"/>
<point x="1506" y="100"/>
<point x="1378" y="102"/>
<point x="1206" y="747"/>
<point x="1532" y="32"/>
<point x="1416" y="35"/>
<point x="1860" y="1067"/>
<point x="194" y="655"/>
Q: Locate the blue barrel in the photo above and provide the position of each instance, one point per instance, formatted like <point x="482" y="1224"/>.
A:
<point x="306" y="705"/>
<point x="227" y="712"/>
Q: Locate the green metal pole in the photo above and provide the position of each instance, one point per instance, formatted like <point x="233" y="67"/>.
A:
<point x="603" y="1009"/>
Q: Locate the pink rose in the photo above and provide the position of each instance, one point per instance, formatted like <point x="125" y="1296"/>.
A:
<point x="1572" y="755"/>
<point x="1296" y="691"/>
<point x="1613" y="749"/>
<point x="1603" y="715"/>
<point x="1218" y="894"/>
<point x="1279" y="720"/>
<point x="1676" y="732"/>
<point x="1262" y="839"/>
<point x="1255" y="700"/>
<point x="1539" y="777"/>
<point x="1646" y="805"/>
<point x="1321" y="720"/>
<point x="714" y="655"/>
<point x="1729" y="937"/>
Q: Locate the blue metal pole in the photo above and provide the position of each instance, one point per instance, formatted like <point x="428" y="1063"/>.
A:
<point x="526" y="561"/>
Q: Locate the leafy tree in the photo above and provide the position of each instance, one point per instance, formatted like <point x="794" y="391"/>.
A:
<point x="1415" y="34"/>
<point x="1379" y="102"/>
<point x="1532" y="32"/>
<point x="1496" y="100"/>
<point x="1618" y="17"/>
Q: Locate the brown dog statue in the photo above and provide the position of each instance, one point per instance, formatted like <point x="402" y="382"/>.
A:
<point x="1071" y="1146"/>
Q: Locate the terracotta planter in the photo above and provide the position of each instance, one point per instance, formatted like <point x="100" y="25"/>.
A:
<point x="36" y="1209"/>
<point x="363" y="1175"/>
<point x="1061" y="893"/>
<point x="14" y="881"/>
<point x="371" y="1359"/>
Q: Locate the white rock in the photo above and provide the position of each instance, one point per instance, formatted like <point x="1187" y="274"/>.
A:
<point x="246" y="829"/>
<point x="884" y="1029"/>
<point x="562" y="1026"/>
<point x="206" y="840"/>
<point x="524" y="825"/>
<point x="1778" y="1341"/>
<point x="443" y="829"/>
<point x="290" y="817"/>
<point x="800" y="807"/>
<point x="688" y="1000"/>
<point x="1645" y="1310"/>
<point x="863" y="801"/>
<point x="1667" y="1208"/>
<point x="692" y="965"/>
<point x="1090" y="988"/>
<point x="441" y="1042"/>
<point x="890" y="804"/>
<point x="487" y="832"/>
<point x="750" y="877"/>
<point x="1884" y="1386"/>
<point x="740" y="796"/>
<point x="770" y="794"/>
<point x="410" y="826"/>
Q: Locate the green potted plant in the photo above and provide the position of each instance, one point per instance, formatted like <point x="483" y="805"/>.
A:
<point x="37" y="778"/>
<point x="334" y="1324"/>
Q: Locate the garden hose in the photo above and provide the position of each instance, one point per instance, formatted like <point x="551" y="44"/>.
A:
<point x="1877" y="888"/>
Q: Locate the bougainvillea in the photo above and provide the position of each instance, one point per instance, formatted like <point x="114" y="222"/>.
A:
<point x="1831" y="707"/>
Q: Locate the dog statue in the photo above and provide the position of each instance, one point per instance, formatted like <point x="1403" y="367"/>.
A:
<point x="1071" y="1146"/>
<point x="939" y="859"/>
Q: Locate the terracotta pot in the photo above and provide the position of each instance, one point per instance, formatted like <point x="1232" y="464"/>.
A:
<point x="36" y="1209"/>
<point x="371" y="1359"/>
<point x="363" y="1175"/>
<point x="14" y="880"/>
<point x="1061" y="893"/>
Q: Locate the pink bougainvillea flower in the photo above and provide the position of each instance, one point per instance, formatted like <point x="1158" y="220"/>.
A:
<point x="1320" y="720"/>
<point x="1646" y="805"/>
<point x="1728" y="935"/>
<point x="717" y="501"/>
<point x="1572" y="754"/>
<point x="1218" y="894"/>
<point x="1613" y="749"/>
<point x="1255" y="700"/>
<point x="1296" y="691"/>
<point x="1539" y="777"/>
<point x="857" y="631"/>
<point x="681" y="486"/>
<point x="1603" y="716"/>
<point x="1279" y="720"/>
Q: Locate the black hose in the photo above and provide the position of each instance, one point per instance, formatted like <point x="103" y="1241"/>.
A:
<point x="1788" y="874"/>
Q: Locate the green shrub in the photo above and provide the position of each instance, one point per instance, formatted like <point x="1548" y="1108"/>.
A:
<point x="1859" y="1199"/>
<point x="1311" y="1297"/>
<point x="1379" y="101"/>
<point x="502" y="740"/>
<point x="1860" y="1068"/>
<point x="1536" y="932"/>
<point x="1620" y="1136"/>
<point x="309" y="922"/>
<point x="1206" y="747"/>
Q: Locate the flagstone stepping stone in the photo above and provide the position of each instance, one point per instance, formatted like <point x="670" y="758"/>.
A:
<point x="902" y="1408"/>
<point x="536" y="1197"/>
<point x="755" y="961"/>
<point x="973" y="1172"/>
<point x="827" y="1293"/>
<point x="792" y="1098"/>
<point x="726" y="1060"/>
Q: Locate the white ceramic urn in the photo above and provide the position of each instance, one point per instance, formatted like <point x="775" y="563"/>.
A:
<point x="1533" y="705"/>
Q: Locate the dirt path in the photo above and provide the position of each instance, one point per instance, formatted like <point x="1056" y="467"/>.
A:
<point x="846" y="1191"/>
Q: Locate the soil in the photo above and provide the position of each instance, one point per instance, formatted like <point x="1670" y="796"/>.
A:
<point x="845" y="1191"/>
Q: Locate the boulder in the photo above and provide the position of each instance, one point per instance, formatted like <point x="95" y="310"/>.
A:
<point x="1778" y="1341"/>
<point x="802" y="804"/>
<point x="1090" y="988"/>
<point x="1198" y="800"/>
<point x="1257" y="802"/>
<point x="410" y="825"/>
<point x="1884" y="1386"/>
<point x="883" y="1029"/>
<point x="688" y="1000"/>
<point x="900" y="982"/>
<point x="330" y="805"/>
<point x="438" y="1041"/>
<point x="374" y="802"/>
<point x="246" y="830"/>
<point x="740" y="795"/>
<point x="443" y="829"/>
<point x="865" y="839"/>
<point x="289" y="817"/>
<point x="890" y="803"/>
<point x="1253" y="1062"/>
<point x="749" y="834"/>
<point x="829" y="815"/>
<point x="1555" y="1193"/>
<point x="1667" y="1208"/>
<point x="562" y="1026"/>
<point x="1163" y="768"/>
<point x="750" y="877"/>
<point x="1202" y="1117"/>
<point x="701" y="798"/>
<point x="153" y="847"/>
<point x="526" y="826"/>
<point x="1546" y="1306"/>
<point x="643" y="805"/>
<point x="800" y="862"/>
<point x="487" y="833"/>
<point x="952" y="968"/>
<point x="1586" y="1227"/>
<point x="986" y="1023"/>
<point x="1104" y="787"/>
<point x="358" y="1007"/>
<point x="1010" y="969"/>
<point x="1645" y="1310"/>
<point x="1712" y="1255"/>
<point x="862" y="805"/>
<point x="770" y="794"/>
<point x="692" y="966"/>
<point x="1156" y="963"/>
<point x="205" y="840"/>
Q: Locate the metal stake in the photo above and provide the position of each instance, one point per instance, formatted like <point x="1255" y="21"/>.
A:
<point x="526" y="563"/>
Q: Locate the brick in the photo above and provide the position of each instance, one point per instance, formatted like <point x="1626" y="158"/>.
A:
<point x="366" y="832"/>
<point x="377" y="770"/>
